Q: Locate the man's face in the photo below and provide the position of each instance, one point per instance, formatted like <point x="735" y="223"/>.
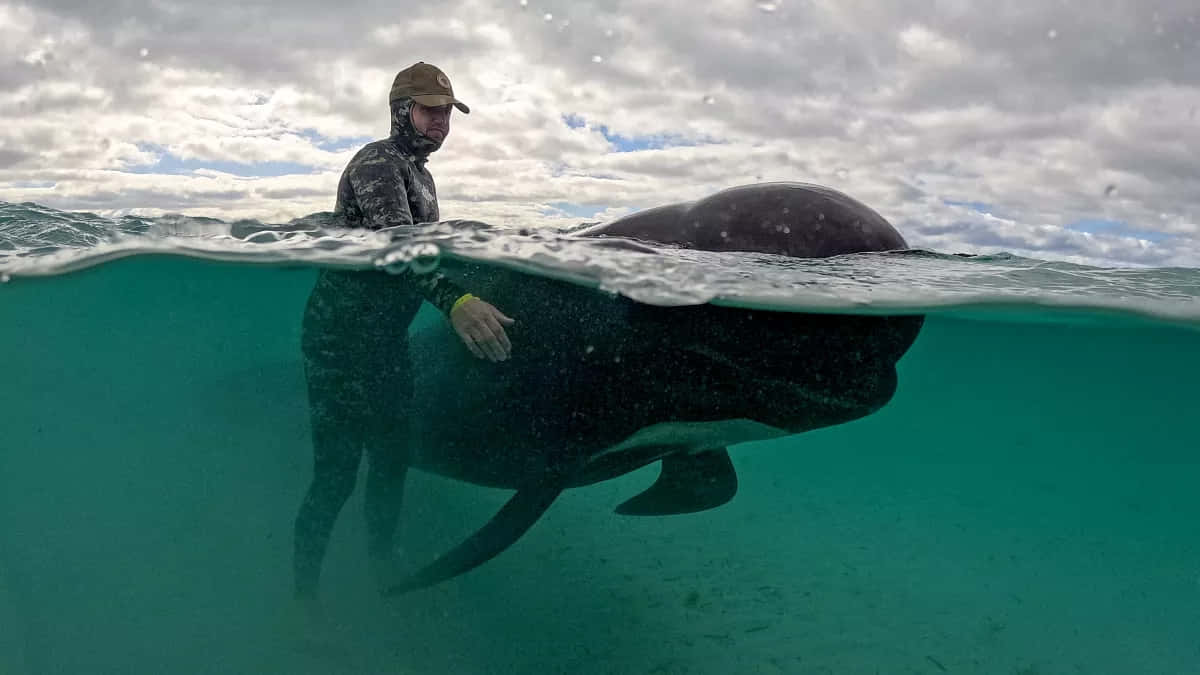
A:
<point x="433" y="122"/>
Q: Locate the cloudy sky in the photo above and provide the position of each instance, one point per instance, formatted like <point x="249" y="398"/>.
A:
<point x="1064" y="130"/>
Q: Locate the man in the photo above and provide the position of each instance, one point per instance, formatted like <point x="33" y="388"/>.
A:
<point x="355" y="329"/>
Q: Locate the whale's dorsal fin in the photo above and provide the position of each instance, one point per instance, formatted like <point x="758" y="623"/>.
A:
<point x="506" y="527"/>
<point x="687" y="484"/>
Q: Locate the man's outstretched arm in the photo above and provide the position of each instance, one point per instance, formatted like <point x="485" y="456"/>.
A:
<point x="380" y="191"/>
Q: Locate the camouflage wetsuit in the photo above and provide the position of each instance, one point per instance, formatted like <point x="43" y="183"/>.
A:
<point x="355" y="346"/>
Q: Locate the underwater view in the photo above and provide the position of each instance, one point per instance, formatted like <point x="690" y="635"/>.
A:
<point x="1025" y="503"/>
<point x="784" y="337"/>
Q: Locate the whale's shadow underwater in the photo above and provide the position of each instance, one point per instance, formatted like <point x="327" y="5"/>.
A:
<point x="599" y="385"/>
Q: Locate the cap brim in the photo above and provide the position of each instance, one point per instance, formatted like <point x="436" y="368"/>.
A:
<point x="438" y="99"/>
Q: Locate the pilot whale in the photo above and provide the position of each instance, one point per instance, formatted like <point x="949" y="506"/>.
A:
<point x="599" y="385"/>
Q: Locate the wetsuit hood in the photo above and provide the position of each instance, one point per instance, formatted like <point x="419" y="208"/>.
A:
<point x="406" y="136"/>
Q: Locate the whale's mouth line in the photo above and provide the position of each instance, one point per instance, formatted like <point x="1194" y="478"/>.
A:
<point x="713" y="355"/>
<point x="780" y="396"/>
<point x="758" y="373"/>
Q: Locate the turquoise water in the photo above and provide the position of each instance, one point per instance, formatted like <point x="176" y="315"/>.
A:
<point x="1027" y="503"/>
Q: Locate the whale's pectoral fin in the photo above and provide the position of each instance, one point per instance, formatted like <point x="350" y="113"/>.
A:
<point x="505" y="528"/>
<point x="687" y="484"/>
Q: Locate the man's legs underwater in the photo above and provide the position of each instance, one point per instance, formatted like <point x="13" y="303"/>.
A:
<point x="387" y="468"/>
<point x="337" y="452"/>
<point x="359" y="390"/>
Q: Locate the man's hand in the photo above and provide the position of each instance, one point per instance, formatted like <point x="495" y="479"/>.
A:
<point x="481" y="327"/>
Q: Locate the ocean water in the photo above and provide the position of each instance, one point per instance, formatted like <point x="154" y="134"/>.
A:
<point x="1026" y="504"/>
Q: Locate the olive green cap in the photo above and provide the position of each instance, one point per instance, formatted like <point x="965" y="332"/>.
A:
<point x="425" y="84"/>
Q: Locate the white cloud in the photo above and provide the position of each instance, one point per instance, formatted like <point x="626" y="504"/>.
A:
<point x="923" y="44"/>
<point x="1034" y="110"/>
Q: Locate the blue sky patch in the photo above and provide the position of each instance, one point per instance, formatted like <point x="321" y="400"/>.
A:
<point x="560" y="169"/>
<point x="337" y="144"/>
<point x="974" y="206"/>
<point x="630" y="143"/>
<point x="172" y="164"/>
<point x="574" y="210"/>
<point x="1115" y="228"/>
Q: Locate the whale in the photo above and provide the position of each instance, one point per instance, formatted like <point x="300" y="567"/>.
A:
<point x="599" y="385"/>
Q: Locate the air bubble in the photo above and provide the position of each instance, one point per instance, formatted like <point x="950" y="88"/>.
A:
<point x="709" y="100"/>
<point x="842" y="174"/>
<point x="144" y="52"/>
<point x="4" y="278"/>
<point x="766" y="6"/>
<point x="524" y="4"/>
<point x="597" y="59"/>
<point x="1110" y="191"/>
<point x="547" y="17"/>
<point x="1052" y="33"/>
<point x="589" y="349"/>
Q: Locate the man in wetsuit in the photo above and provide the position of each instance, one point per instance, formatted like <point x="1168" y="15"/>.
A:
<point x="355" y="329"/>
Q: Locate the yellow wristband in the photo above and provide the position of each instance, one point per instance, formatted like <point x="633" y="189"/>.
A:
<point x="461" y="301"/>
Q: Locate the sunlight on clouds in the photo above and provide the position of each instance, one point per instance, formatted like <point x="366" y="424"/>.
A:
<point x="903" y="105"/>
<point x="924" y="44"/>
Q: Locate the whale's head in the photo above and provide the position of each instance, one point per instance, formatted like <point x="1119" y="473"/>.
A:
<point x="793" y="371"/>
